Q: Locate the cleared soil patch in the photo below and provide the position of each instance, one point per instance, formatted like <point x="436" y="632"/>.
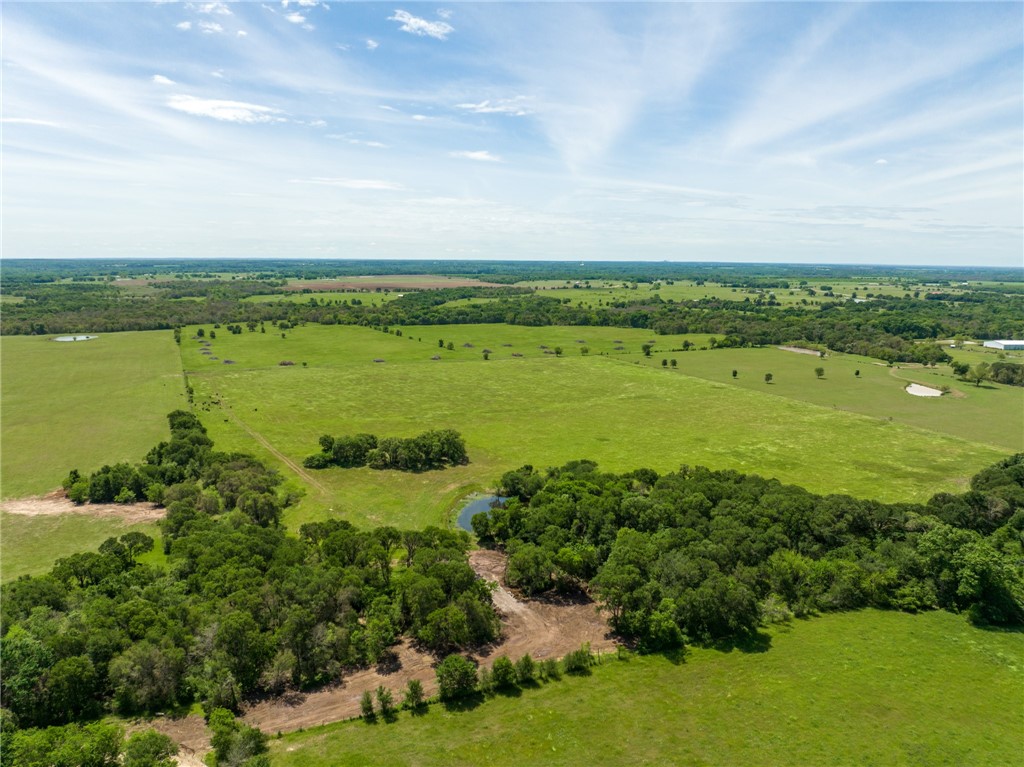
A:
<point x="799" y="350"/>
<point x="191" y="735"/>
<point x="544" y="629"/>
<point x="406" y="282"/>
<point x="56" y="503"/>
<point x="922" y="391"/>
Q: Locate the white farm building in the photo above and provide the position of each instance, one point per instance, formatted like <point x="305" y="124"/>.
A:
<point x="1006" y="346"/>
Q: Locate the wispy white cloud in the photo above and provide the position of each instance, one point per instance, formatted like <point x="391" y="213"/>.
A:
<point x="369" y="184"/>
<point x="357" y="141"/>
<point x="242" y="33"/>
<point x="29" y="121"/>
<point x="371" y="45"/>
<point x="414" y="25"/>
<point x="161" y="80"/>
<point x="444" y="13"/>
<point x="184" y="26"/>
<point x="295" y="18"/>
<point x="514" y="106"/>
<point x="226" y="111"/>
<point x="420" y="118"/>
<point x="215" y="8"/>
<point x="881" y="161"/>
<point x="480" y="155"/>
<point x="210" y="28"/>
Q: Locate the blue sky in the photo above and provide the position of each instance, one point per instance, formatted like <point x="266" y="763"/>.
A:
<point x="819" y="132"/>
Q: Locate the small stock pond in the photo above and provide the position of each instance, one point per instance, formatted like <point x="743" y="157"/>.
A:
<point x="475" y="506"/>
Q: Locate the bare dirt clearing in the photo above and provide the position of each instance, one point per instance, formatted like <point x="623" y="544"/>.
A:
<point x="56" y="503"/>
<point x="191" y="735"/>
<point x="542" y="628"/>
<point x="799" y="350"/>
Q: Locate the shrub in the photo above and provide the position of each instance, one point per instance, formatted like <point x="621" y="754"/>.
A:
<point x="456" y="677"/>
<point x="504" y="673"/>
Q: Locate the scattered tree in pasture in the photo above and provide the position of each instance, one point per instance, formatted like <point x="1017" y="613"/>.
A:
<point x="856" y="373"/>
<point x="385" y="701"/>
<point x="456" y="677"/>
<point x="819" y="372"/>
<point x="664" y="362"/>
<point x="414" y="696"/>
<point x="526" y="670"/>
<point x="366" y="706"/>
<point x="979" y="373"/>
<point x="646" y="348"/>
<point x="558" y="351"/>
<point x="735" y="373"/>
<point x="672" y="362"/>
<point x="768" y="378"/>
<point x="503" y="673"/>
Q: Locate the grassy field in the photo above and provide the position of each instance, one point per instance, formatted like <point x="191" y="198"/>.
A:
<point x="537" y="409"/>
<point x="603" y="292"/>
<point x="992" y="414"/>
<point x="30" y="545"/>
<point x="76" y="405"/>
<point x="866" y="688"/>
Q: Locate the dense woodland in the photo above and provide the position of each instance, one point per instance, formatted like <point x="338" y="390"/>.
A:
<point x="704" y="555"/>
<point x="243" y="607"/>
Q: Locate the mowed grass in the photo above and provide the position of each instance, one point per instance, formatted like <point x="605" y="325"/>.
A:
<point x="83" y="404"/>
<point x="991" y="415"/>
<point x="864" y="688"/>
<point x="540" y="410"/>
<point x="76" y="405"/>
<point x="30" y="545"/>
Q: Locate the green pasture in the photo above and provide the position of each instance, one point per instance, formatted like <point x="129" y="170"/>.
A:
<point x="82" y="404"/>
<point x="30" y="545"/>
<point x="865" y="688"/>
<point x="992" y="414"/>
<point x="537" y="409"/>
<point x="76" y="405"/>
<point x="972" y="354"/>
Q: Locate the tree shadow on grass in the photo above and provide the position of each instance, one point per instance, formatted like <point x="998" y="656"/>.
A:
<point x="465" y="703"/>
<point x="512" y="691"/>
<point x="757" y="642"/>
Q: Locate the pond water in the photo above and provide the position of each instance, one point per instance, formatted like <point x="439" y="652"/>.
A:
<point x="475" y="506"/>
<point x="74" y="338"/>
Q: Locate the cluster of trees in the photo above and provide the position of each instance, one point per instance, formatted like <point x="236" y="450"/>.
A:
<point x="433" y="449"/>
<point x="708" y="555"/>
<point x="189" y="477"/>
<point x="457" y="677"/>
<point x="241" y="608"/>
<point x="91" y="745"/>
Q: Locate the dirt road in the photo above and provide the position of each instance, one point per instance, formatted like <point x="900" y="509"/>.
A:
<point x="544" y="629"/>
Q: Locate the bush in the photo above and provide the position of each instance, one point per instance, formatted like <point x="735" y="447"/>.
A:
<point x="414" y="697"/>
<point x="366" y="705"/>
<point x="456" y="677"/>
<point x="578" y="661"/>
<point x="526" y="669"/>
<point x="503" y="673"/>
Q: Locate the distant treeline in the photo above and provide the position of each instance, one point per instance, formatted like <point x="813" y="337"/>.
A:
<point x="433" y="449"/>
<point x="710" y="555"/>
<point x="17" y="271"/>
<point x="241" y="608"/>
<point x="887" y="328"/>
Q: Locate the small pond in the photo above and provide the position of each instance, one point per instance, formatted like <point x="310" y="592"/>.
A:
<point x="475" y="506"/>
<point x="74" y="338"/>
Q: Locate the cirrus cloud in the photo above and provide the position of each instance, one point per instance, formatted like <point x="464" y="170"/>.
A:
<point x="224" y="110"/>
<point x="414" y="25"/>
<point x="480" y="155"/>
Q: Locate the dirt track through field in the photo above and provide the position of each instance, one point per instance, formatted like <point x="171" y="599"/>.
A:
<point x="305" y="475"/>
<point x="544" y="629"/>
